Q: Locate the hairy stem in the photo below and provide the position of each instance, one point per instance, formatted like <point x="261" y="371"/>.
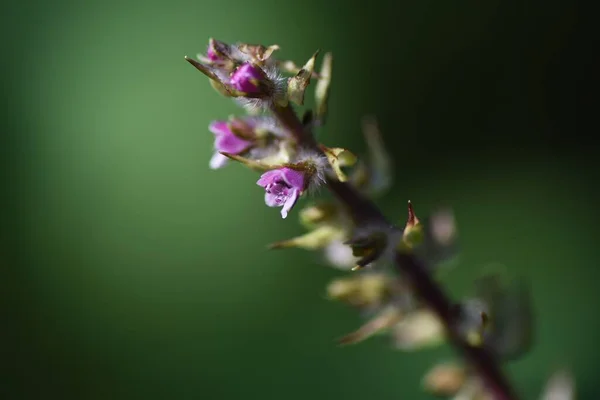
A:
<point x="364" y="211"/>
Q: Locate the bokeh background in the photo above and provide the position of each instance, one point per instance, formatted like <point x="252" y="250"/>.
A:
<point x="131" y="271"/>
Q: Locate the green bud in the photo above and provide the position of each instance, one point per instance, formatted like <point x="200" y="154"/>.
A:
<point x="413" y="231"/>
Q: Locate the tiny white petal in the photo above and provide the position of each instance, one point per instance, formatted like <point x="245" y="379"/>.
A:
<point x="289" y="203"/>
<point x="217" y="161"/>
<point x="271" y="200"/>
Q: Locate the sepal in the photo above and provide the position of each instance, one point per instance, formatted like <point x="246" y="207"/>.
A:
<point x="259" y="53"/>
<point x="382" y="322"/>
<point x="322" y="88"/>
<point x="252" y="164"/>
<point x="338" y="158"/>
<point x="315" y="239"/>
<point x="297" y="85"/>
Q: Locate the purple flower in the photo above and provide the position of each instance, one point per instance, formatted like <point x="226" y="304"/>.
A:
<point x="283" y="187"/>
<point x="225" y="141"/>
<point x="247" y="78"/>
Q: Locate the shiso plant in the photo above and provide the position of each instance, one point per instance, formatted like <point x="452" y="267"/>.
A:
<point x="392" y="270"/>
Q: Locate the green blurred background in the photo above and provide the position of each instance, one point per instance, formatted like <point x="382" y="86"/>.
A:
<point x="133" y="271"/>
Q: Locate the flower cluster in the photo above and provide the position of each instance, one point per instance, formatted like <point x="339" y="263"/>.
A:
<point x="349" y="231"/>
<point x="256" y="80"/>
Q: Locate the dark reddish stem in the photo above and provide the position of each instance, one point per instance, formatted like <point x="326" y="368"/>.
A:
<point x="482" y="361"/>
<point x="364" y="211"/>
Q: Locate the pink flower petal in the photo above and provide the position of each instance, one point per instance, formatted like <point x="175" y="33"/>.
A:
<point x="219" y="127"/>
<point x="217" y="161"/>
<point x="289" y="203"/>
<point x="269" y="177"/>
<point x="293" y="178"/>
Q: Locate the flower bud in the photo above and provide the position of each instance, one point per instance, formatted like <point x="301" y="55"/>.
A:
<point x="226" y="141"/>
<point x="260" y="139"/>
<point x="250" y="78"/>
<point x="244" y="72"/>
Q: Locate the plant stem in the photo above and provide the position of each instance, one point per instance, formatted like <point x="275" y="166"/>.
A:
<point x="482" y="360"/>
<point x="363" y="210"/>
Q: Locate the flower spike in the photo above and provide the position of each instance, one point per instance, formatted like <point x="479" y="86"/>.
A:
<point x="394" y="284"/>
